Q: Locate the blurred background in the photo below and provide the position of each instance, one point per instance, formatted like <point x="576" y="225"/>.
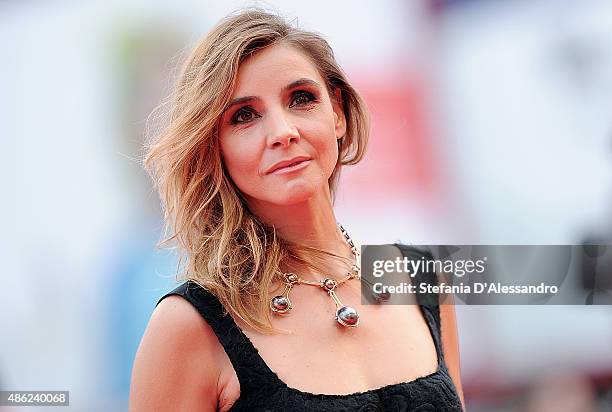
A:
<point x="492" y="124"/>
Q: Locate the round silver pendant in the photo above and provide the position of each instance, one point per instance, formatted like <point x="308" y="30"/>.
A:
<point x="347" y="316"/>
<point x="280" y="304"/>
<point x="381" y="297"/>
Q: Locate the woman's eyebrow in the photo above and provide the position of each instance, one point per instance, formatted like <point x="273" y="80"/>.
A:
<point x="239" y="100"/>
<point x="301" y="82"/>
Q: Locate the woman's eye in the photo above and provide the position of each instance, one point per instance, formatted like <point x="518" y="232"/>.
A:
<point x="243" y="115"/>
<point x="302" y="97"/>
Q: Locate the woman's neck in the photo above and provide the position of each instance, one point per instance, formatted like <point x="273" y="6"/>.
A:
<point x="310" y="223"/>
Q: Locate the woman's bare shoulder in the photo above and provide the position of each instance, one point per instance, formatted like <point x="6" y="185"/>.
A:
<point x="177" y="365"/>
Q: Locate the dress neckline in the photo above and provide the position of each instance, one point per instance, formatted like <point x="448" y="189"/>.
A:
<point x="274" y="376"/>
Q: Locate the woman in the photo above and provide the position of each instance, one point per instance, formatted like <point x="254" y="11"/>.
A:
<point x="261" y="123"/>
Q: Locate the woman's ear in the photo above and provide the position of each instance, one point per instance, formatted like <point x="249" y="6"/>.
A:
<point x="339" y="118"/>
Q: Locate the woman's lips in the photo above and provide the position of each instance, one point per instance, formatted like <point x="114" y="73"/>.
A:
<point x="295" y="167"/>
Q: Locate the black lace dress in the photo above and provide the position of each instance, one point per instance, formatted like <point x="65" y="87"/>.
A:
<point x="262" y="390"/>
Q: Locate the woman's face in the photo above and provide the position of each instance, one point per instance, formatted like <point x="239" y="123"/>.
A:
<point x="278" y="134"/>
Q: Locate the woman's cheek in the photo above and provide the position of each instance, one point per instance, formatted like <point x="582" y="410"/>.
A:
<point x="245" y="168"/>
<point x="329" y="145"/>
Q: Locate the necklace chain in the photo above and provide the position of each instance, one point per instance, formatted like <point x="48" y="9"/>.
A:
<point x="354" y="272"/>
<point x="345" y="315"/>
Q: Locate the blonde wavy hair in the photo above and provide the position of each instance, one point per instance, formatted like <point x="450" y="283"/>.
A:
<point x="222" y="245"/>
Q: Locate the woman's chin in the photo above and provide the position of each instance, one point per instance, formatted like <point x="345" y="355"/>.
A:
<point x="290" y="193"/>
<point x="294" y="198"/>
<point x="295" y="194"/>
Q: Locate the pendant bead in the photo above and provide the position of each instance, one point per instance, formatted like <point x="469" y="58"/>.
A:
<point x="329" y="284"/>
<point x="280" y="304"/>
<point x="291" y="278"/>
<point x="381" y="297"/>
<point x="347" y="316"/>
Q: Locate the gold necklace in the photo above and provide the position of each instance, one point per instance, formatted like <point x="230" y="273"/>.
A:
<point x="345" y="315"/>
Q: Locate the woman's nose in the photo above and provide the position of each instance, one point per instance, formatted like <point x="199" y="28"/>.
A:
<point x="281" y="130"/>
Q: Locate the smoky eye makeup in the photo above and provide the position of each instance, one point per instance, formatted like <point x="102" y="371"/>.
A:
<point x="302" y="98"/>
<point x="243" y="115"/>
